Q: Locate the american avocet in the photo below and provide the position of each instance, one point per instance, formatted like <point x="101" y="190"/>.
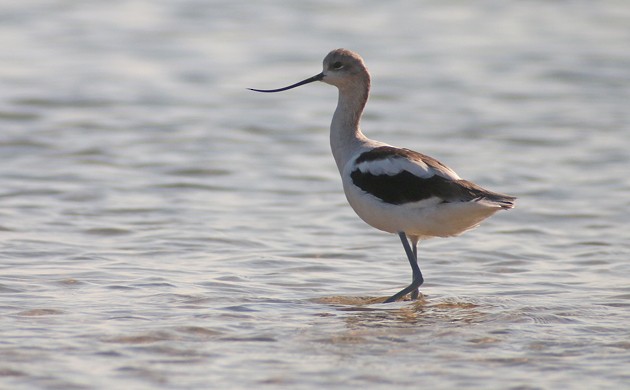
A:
<point x="394" y="189"/>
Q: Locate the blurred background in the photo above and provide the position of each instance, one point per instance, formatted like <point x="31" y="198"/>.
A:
<point x="163" y="227"/>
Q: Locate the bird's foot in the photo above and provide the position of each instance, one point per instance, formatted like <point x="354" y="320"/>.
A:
<point x="413" y="292"/>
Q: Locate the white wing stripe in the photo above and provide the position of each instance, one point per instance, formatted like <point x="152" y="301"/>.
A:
<point x="393" y="166"/>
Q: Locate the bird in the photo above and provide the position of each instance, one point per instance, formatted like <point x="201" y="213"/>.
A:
<point x="395" y="190"/>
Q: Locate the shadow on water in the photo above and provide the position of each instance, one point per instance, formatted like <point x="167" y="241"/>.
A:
<point x="368" y="326"/>
<point x="372" y="312"/>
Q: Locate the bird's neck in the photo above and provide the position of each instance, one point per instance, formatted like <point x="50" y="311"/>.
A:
<point x="345" y="134"/>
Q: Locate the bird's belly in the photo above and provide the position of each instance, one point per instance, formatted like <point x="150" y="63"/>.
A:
<point x="424" y="219"/>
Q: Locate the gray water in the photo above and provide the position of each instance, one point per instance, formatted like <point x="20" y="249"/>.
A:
<point x="164" y="228"/>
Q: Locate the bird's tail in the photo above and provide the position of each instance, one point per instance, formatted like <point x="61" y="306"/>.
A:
<point x="503" y="201"/>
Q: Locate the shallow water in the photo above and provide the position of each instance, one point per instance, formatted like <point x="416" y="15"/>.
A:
<point x="163" y="227"/>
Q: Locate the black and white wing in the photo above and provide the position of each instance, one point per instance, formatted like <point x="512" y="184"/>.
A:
<point x="399" y="176"/>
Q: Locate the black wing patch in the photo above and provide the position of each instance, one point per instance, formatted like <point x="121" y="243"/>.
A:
<point x="405" y="187"/>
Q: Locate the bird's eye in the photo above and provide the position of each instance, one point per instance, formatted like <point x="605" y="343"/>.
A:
<point x="337" y="65"/>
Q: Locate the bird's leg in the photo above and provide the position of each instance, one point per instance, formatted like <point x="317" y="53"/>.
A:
<point x="415" y="293"/>
<point x="417" y="275"/>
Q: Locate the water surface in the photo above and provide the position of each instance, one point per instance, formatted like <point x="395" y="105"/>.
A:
<point x="163" y="227"/>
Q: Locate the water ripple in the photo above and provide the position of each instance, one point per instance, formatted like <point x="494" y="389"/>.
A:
<point x="162" y="227"/>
